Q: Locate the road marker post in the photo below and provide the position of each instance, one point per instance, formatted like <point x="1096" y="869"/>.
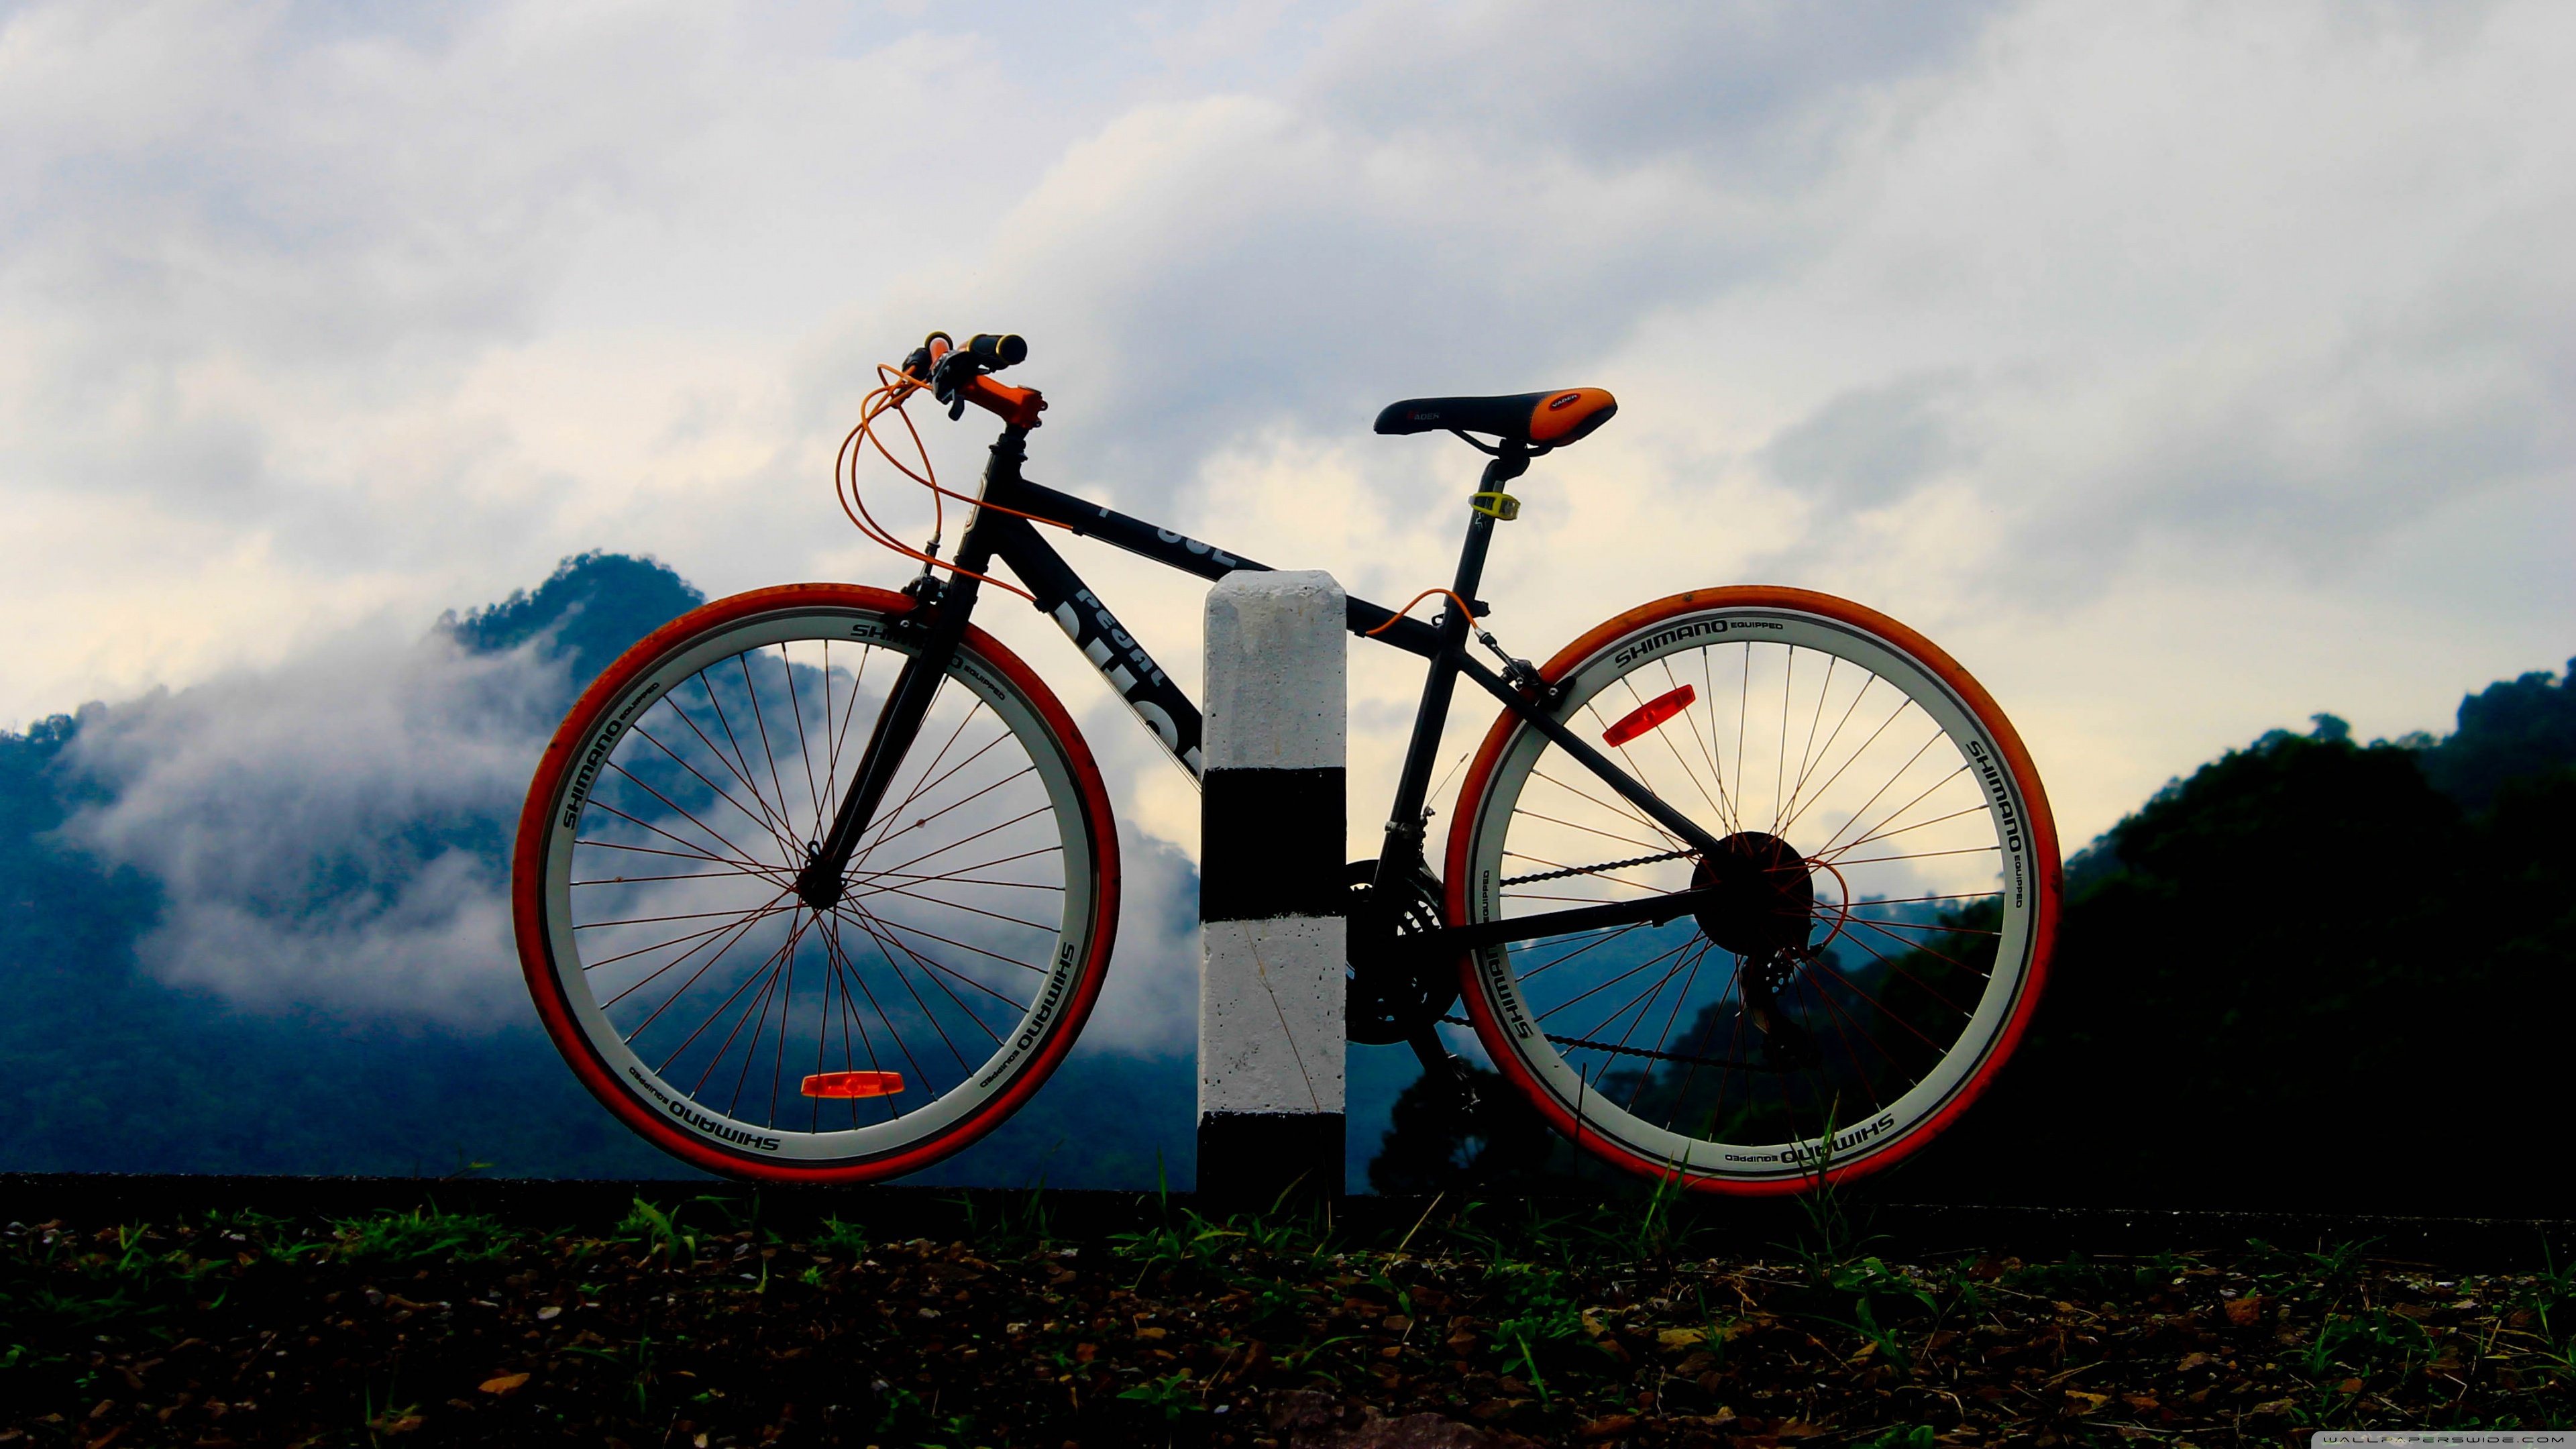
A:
<point x="1272" y="939"/>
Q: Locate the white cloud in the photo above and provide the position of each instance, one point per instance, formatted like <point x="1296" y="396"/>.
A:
<point x="332" y="832"/>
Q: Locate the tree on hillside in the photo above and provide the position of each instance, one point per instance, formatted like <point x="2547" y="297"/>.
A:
<point x="2302" y="978"/>
<point x="2509" y="730"/>
<point x="588" y="611"/>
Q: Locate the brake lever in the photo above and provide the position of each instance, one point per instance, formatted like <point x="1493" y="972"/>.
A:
<point x="949" y="378"/>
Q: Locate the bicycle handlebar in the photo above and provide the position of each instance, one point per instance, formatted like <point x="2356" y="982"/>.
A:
<point x="957" y="375"/>
<point x="997" y="351"/>
<point x="983" y="352"/>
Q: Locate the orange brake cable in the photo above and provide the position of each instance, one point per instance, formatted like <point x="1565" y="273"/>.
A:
<point x="895" y="388"/>
<point x="1463" y="611"/>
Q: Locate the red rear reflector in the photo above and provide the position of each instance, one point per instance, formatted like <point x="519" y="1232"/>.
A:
<point x="853" y="1084"/>
<point x="1648" y="715"/>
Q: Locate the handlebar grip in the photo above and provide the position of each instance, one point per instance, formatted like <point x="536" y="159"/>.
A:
<point x="999" y="350"/>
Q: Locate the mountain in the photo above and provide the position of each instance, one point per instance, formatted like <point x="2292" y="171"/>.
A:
<point x="111" y="1069"/>
<point x="134" y="1047"/>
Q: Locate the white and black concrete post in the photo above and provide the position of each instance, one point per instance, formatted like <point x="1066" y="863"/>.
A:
<point x="1271" y="1034"/>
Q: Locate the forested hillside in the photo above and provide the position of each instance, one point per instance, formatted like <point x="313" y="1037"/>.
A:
<point x="112" y="1070"/>
<point x="2316" y="973"/>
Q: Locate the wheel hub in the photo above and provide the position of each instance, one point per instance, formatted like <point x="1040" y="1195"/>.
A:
<point x="1766" y="898"/>
<point x="818" y="885"/>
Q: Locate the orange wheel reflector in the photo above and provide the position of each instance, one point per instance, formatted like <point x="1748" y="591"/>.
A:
<point x="1648" y="715"/>
<point x="853" y="1084"/>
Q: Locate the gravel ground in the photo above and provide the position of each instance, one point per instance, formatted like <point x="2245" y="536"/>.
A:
<point x="424" y="1328"/>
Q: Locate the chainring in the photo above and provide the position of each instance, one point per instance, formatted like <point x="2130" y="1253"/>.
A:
<point x="1392" y="992"/>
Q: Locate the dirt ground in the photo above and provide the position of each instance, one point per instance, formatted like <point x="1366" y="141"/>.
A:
<point x="688" y="1325"/>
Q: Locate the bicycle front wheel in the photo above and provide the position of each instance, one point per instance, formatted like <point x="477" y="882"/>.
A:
<point x="720" y="1015"/>
<point x="1876" y="922"/>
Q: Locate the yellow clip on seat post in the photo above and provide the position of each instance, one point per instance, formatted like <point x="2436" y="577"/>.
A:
<point x="1502" y="506"/>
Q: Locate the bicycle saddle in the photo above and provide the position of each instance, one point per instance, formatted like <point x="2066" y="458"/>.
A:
<point x="1531" y="419"/>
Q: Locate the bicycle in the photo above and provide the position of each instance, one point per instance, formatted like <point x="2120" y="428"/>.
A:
<point x="1750" y="888"/>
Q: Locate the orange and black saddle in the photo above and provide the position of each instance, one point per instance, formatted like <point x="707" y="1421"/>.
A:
<point x="1528" y="419"/>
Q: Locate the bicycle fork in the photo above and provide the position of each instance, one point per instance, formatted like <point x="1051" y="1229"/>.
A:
<point x="947" y="608"/>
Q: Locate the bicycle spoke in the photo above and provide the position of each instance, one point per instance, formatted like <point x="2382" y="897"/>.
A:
<point x="1937" y="736"/>
<point x="720" y="792"/>
<point x="1665" y="735"/>
<point x="1883" y="833"/>
<point x="1898" y="967"/>
<point x="1780" y="756"/>
<point x="1724" y="803"/>
<point x="1643" y="1002"/>
<point x="889" y="813"/>
<point x="694" y="852"/>
<point x="703" y="938"/>
<point x="1690" y="1071"/>
<point x="713" y="833"/>
<point x="1734" y="815"/>
<point x="778" y="1052"/>
<point x="1601" y="940"/>
<point x="1646" y="965"/>
<point x="1876" y="1006"/>
<point x="691" y="875"/>
<point x="858" y="979"/>
<point x="738" y="763"/>
<point x="960" y="906"/>
<point x="759" y="973"/>
<point x="970" y="839"/>
<point x="1622" y="810"/>
<point x="891" y="923"/>
<point x="924" y="821"/>
<point x="768" y="979"/>
<point x="841" y="739"/>
<point x="1807" y="751"/>
<point x="760" y="726"/>
<point x="784" y="970"/>
<point x="1923" y="855"/>
<point x="804" y="747"/>
<point x="884" y="939"/>
<point x="1903" y="703"/>
<point x="1664" y="1038"/>
<point x="1893" y="926"/>
<point x="1590" y="830"/>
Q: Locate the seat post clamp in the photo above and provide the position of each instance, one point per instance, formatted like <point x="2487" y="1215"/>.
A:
<point x="1502" y="506"/>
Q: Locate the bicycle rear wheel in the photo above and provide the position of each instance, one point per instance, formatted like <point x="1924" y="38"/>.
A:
<point x="1886" y="892"/>
<point x="730" y="1023"/>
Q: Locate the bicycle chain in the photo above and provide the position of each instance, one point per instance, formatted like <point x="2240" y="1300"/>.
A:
<point x="1629" y="1051"/>
<point x="1596" y="869"/>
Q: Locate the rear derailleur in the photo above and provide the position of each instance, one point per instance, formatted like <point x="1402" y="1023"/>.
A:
<point x="1786" y="1045"/>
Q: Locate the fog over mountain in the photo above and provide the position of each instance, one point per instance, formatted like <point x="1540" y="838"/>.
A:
<point x="331" y="832"/>
<point x="308" y="863"/>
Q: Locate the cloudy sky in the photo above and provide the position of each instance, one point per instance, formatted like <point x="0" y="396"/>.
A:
<point x="2185" y="369"/>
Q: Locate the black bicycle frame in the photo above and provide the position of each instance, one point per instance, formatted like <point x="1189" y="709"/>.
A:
<point x="1174" y="719"/>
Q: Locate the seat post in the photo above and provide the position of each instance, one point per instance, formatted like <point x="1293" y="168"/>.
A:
<point x="1404" y="826"/>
